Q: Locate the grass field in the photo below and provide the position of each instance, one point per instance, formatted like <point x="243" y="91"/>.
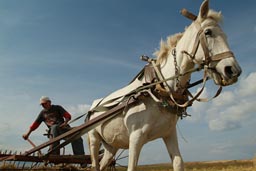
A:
<point x="232" y="165"/>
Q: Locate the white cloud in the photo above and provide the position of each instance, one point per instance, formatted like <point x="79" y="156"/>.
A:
<point x="232" y="109"/>
<point x="222" y="124"/>
<point x="225" y="98"/>
<point x="221" y="148"/>
<point x="247" y="85"/>
<point x="78" y="109"/>
<point x="198" y="109"/>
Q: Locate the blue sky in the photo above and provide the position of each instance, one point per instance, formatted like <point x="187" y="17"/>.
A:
<point x="78" y="51"/>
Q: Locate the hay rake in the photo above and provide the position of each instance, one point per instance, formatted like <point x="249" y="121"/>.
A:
<point x="33" y="158"/>
<point x="10" y="160"/>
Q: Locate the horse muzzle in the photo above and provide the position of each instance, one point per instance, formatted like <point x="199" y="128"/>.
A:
<point x="228" y="76"/>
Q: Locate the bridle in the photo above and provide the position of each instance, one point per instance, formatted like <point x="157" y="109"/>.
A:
<point x="200" y="39"/>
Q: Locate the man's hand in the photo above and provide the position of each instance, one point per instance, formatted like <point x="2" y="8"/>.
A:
<point x="64" y="124"/>
<point x="25" y="136"/>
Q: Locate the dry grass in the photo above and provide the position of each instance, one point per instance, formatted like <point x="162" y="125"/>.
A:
<point x="254" y="161"/>
<point x="234" y="165"/>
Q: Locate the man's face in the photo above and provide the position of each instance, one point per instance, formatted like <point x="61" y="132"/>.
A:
<point x="46" y="105"/>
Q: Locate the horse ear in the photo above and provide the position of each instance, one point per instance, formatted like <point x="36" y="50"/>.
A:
<point x="204" y="9"/>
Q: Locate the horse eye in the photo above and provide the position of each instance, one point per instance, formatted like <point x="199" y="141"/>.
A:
<point x="208" y="32"/>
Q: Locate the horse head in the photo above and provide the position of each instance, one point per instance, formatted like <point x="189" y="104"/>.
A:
<point x="210" y="48"/>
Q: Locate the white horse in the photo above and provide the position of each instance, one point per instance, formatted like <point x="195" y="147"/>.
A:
<point x="203" y="43"/>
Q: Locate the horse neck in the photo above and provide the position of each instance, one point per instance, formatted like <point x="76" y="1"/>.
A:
<point x="183" y="62"/>
<point x="169" y="69"/>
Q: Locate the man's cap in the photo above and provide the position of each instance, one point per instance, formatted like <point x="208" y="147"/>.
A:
<point x="44" y="99"/>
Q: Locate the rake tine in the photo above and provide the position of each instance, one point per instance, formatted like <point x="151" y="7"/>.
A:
<point x="123" y="157"/>
<point x="13" y="163"/>
<point x="121" y="165"/>
<point x="5" y="153"/>
<point x="46" y="162"/>
<point x="14" y="160"/>
<point x="32" y="165"/>
<point x="120" y="154"/>
<point x="4" y="163"/>
<point x="35" y="164"/>
<point x="18" y="164"/>
<point x="23" y="167"/>
<point x="33" y="145"/>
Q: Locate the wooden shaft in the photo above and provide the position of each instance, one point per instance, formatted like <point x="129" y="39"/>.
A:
<point x="188" y="14"/>
<point x="33" y="145"/>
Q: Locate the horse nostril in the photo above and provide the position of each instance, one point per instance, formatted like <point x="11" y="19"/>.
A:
<point x="229" y="72"/>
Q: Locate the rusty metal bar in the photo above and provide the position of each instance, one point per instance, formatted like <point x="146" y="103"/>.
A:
<point x="56" y="159"/>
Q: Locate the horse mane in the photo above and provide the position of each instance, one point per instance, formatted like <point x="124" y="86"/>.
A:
<point x="167" y="46"/>
<point x="171" y="41"/>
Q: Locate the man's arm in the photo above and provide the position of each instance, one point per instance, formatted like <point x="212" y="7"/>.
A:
<point x="67" y="118"/>
<point x="33" y="127"/>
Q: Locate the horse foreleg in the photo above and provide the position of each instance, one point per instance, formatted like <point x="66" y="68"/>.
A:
<point x="109" y="153"/>
<point x="135" y="145"/>
<point x="94" y="146"/>
<point x="171" y="143"/>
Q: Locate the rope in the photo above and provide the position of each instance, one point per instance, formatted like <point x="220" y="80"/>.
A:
<point x="185" y="140"/>
<point x="78" y="118"/>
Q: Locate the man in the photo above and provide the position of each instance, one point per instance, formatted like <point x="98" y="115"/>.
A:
<point x="56" y="118"/>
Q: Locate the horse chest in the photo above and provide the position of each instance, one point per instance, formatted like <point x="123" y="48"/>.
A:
<point x="151" y="119"/>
